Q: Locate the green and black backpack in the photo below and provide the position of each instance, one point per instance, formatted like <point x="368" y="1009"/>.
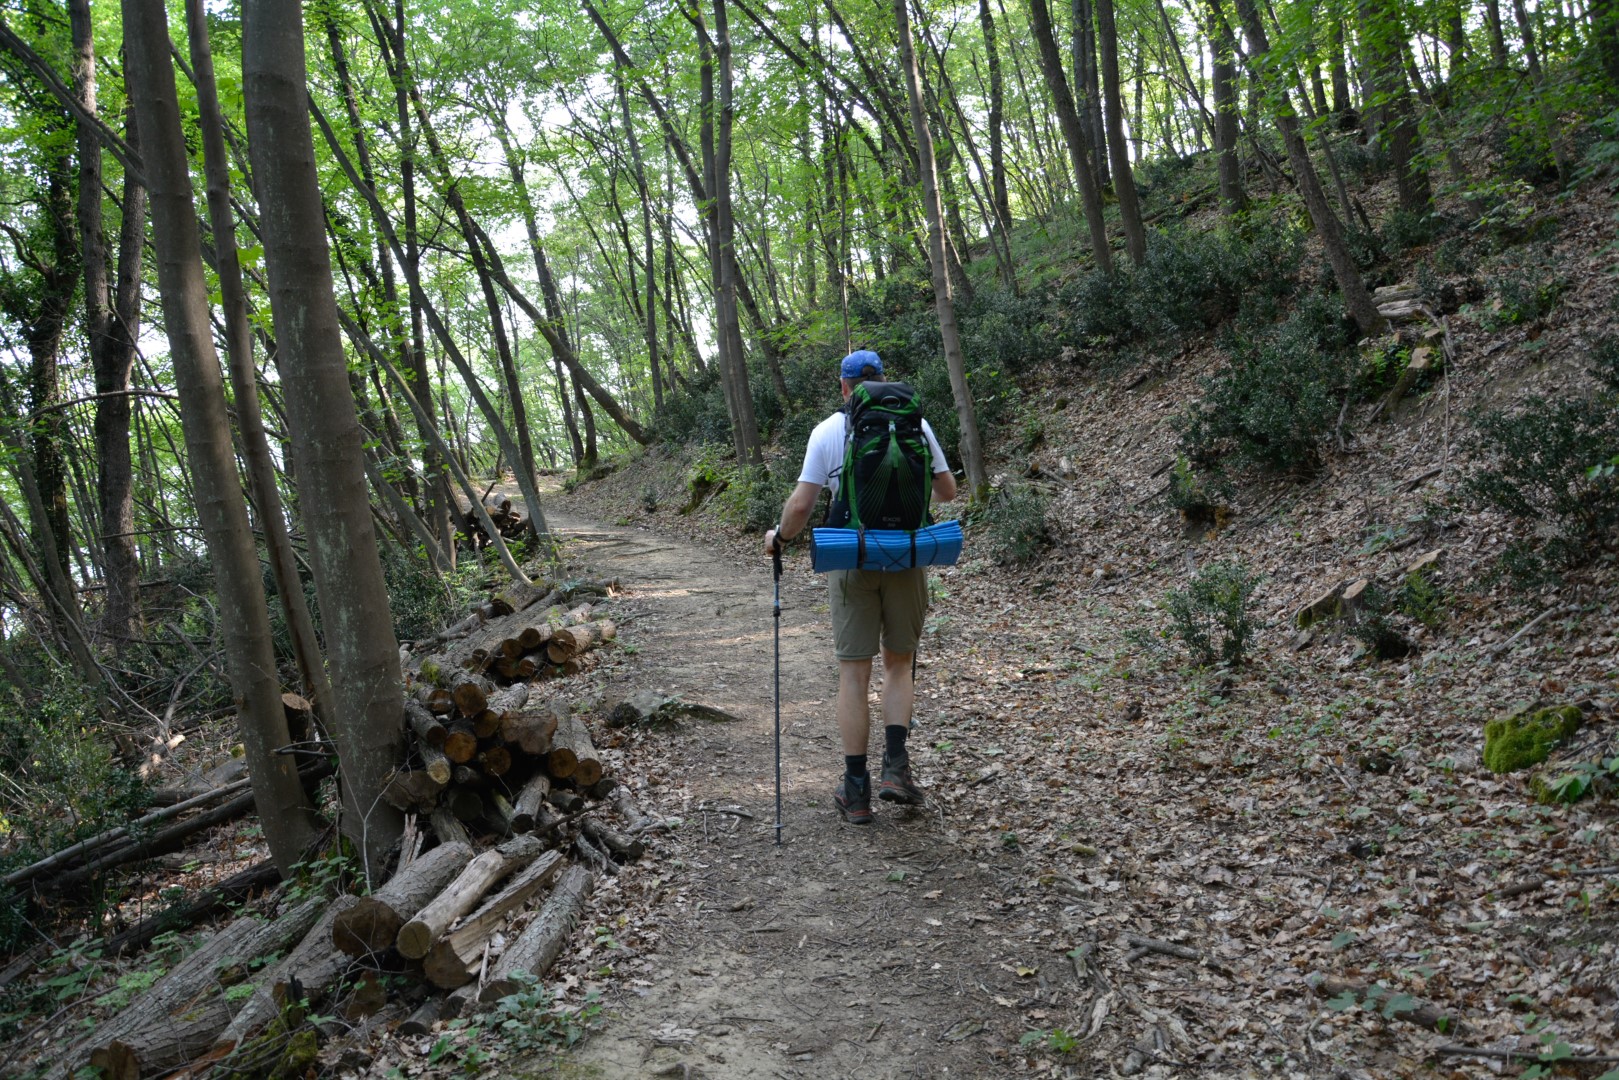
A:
<point x="887" y="477"/>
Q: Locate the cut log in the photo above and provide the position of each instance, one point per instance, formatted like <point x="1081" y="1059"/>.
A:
<point x="313" y="962"/>
<point x="471" y="692"/>
<point x="460" y="1002"/>
<point x="529" y="800"/>
<point x="570" y="641"/>
<point x="371" y="925"/>
<point x="511" y="699"/>
<point x="537" y="948"/>
<point x="300" y="716"/>
<point x="530" y="730"/>
<point x="573" y="755"/>
<point x="237" y="887"/>
<point x="448" y="828"/>
<point x="623" y="848"/>
<point x="412" y="791"/>
<point x="422" y="1020"/>
<point x="468" y="776"/>
<point x="518" y="597"/>
<point x="435" y="699"/>
<point x="495" y="760"/>
<point x="499" y="811"/>
<point x="461" y="744"/>
<point x="435" y="764"/>
<point x="602" y="789"/>
<point x="569" y="802"/>
<point x="424" y="724"/>
<point x="416" y="937"/>
<point x="453" y="960"/>
<point x="634" y="820"/>
<point x="486" y="723"/>
<point x="183" y="1011"/>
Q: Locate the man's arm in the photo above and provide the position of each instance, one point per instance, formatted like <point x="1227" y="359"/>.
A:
<point x="800" y="505"/>
<point x="944" y="486"/>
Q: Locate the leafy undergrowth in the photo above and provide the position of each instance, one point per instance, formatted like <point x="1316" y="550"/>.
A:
<point x="1314" y="815"/>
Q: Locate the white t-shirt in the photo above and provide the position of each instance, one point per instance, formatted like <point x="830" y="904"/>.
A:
<point x="823" y="458"/>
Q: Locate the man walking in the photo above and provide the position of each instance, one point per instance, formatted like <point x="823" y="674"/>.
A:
<point x="872" y="611"/>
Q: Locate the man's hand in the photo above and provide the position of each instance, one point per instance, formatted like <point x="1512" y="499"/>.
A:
<point x="771" y="542"/>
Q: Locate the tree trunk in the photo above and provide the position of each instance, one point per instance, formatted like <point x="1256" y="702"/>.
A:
<point x="1233" y="200"/>
<point x="1383" y="36"/>
<point x="971" y="451"/>
<point x="1072" y="131"/>
<point x="1124" y="183"/>
<point x="353" y="597"/>
<point x="285" y="810"/>
<point x="1087" y="88"/>
<point x="1357" y="299"/>
<point x="111" y="346"/>
<point x="999" y="198"/>
<point x="244" y="377"/>
<point x="1498" y="40"/>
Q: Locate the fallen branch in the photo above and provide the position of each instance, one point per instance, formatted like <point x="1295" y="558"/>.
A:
<point x="237" y="887"/>
<point x="1453" y="1050"/>
<point x="1391" y="1004"/>
<point x="1145" y="945"/>
<point x="1497" y="651"/>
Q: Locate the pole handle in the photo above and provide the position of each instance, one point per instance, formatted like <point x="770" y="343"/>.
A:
<point x="775" y="552"/>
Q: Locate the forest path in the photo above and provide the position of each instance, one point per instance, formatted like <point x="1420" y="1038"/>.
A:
<point x="842" y="952"/>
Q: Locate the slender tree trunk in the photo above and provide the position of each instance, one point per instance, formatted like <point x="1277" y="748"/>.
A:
<point x="999" y="198"/>
<point x="244" y="621"/>
<point x="1087" y="89"/>
<point x="1604" y="16"/>
<point x="244" y="376"/>
<point x="1383" y="35"/>
<point x="645" y="194"/>
<point x="1223" y="47"/>
<point x="971" y="452"/>
<point x="1073" y="134"/>
<point x="1537" y="76"/>
<point x="111" y="349"/>
<point x="1357" y="298"/>
<point x="1498" y="39"/>
<point x="353" y="597"/>
<point x="1124" y="183"/>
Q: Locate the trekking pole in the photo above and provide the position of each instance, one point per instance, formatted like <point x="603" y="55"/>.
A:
<point x="775" y="559"/>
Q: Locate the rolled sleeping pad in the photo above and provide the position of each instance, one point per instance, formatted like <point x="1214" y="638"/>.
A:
<point x="885" y="549"/>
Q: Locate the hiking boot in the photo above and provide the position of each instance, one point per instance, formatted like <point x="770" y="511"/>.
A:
<point x="853" y="798"/>
<point x="896" y="784"/>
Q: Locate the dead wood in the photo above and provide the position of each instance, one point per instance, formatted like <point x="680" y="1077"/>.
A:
<point x="624" y="802"/>
<point x="566" y="800"/>
<point x="371" y="925"/>
<point x="435" y="763"/>
<point x="435" y="699"/>
<point x="573" y="755"/>
<point x="412" y="791"/>
<point x="172" y="838"/>
<point x="453" y="959"/>
<point x="537" y="948"/>
<point x="471" y="692"/>
<point x="416" y="937"/>
<point x="623" y="848"/>
<point x="424" y="722"/>
<point x="183" y="1011"/>
<point x="1145" y="945"/>
<point x="422" y="1020"/>
<point x="461" y="744"/>
<point x="594" y="855"/>
<point x="313" y="962"/>
<point x="602" y="789"/>
<point x="530" y="730"/>
<point x="464" y="803"/>
<point x="234" y="889"/>
<point x="529" y="801"/>
<point x="448" y="828"/>
<point x="495" y="760"/>
<point x="570" y="641"/>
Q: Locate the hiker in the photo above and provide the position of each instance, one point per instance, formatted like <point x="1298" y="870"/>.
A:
<point x="869" y="607"/>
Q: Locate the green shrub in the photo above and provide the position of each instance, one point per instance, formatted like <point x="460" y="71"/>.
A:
<point x="1528" y="737"/>
<point x="1214" y="617"/>
<point x="1546" y="464"/>
<point x="753" y="498"/>
<point x="1524" y="295"/>
<point x="421" y="603"/>
<point x="1406" y="229"/>
<point x="1015" y="518"/>
<point x="1280" y="399"/>
<point x="1196" y="497"/>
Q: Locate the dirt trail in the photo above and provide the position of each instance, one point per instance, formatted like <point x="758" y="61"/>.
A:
<point x="839" y="953"/>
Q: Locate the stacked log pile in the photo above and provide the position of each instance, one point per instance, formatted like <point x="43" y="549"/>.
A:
<point x="509" y="521"/>
<point x="513" y="821"/>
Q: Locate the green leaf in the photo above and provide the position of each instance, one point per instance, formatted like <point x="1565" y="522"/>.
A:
<point x="1343" y="1002"/>
<point x="1344" y="938"/>
<point x="1398" y="1003"/>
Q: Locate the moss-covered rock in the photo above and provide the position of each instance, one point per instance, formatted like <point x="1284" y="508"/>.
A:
<point x="1528" y="736"/>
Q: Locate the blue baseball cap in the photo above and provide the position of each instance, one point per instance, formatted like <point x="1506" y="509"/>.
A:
<point x="858" y="361"/>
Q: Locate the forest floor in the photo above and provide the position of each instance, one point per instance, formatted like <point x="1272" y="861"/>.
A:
<point x="1080" y="800"/>
<point x="1344" y="889"/>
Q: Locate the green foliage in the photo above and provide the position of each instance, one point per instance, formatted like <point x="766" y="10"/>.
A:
<point x="1548" y="463"/>
<point x="1524" y="294"/>
<point x="1015" y="517"/>
<point x="1214" y="617"/>
<point x="64" y="781"/>
<point x="421" y="603"/>
<point x="1598" y="777"/>
<point x="752" y="498"/>
<point x="696" y="414"/>
<point x="1528" y="737"/>
<point x="1375" y="627"/>
<point x="532" y="1019"/>
<point x="1192" y="280"/>
<point x="1193" y="494"/>
<point x="1406" y="229"/>
<point x="1280" y="398"/>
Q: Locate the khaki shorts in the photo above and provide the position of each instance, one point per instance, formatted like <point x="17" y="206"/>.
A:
<point x="867" y="604"/>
